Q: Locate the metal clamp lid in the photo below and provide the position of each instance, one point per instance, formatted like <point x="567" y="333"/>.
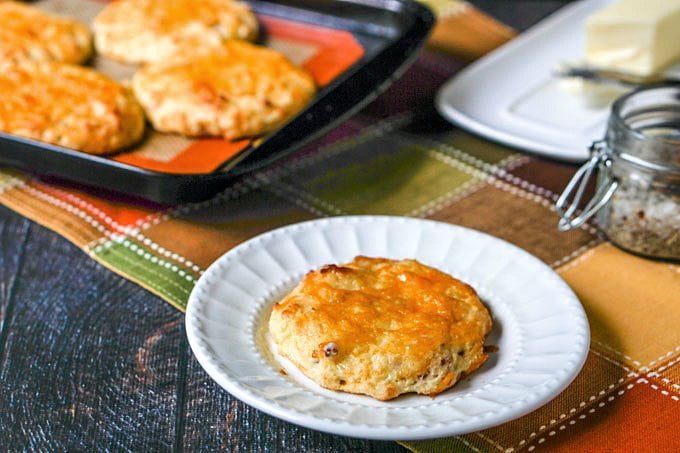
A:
<point x="599" y="159"/>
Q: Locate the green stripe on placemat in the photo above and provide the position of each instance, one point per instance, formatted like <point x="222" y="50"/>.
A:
<point x="127" y="257"/>
<point x="380" y="177"/>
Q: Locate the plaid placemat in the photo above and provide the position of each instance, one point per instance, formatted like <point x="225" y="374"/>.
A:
<point x="397" y="157"/>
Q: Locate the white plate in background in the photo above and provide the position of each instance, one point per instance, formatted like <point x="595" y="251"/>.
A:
<point x="540" y="327"/>
<point x="509" y="95"/>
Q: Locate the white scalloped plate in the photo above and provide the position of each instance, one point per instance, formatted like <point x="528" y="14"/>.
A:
<point x="540" y="327"/>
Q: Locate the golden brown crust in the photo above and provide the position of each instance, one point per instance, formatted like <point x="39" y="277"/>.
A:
<point x="68" y="105"/>
<point x="241" y="91"/>
<point x="382" y="328"/>
<point x="26" y="33"/>
<point x="145" y="31"/>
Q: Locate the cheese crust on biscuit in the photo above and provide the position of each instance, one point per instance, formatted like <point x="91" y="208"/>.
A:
<point x="381" y="327"/>
<point x="145" y="31"/>
<point x="26" y="33"/>
<point x="68" y="105"/>
<point x="241" y="91"/>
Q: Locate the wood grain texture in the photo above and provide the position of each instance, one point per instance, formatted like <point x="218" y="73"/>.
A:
<point x="237" y="427"/>
<point x="519" y="14"/>
<point x="90" y="359"/>
<point x="13" y="233"/>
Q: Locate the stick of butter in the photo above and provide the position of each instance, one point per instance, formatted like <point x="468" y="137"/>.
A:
<point x="640" y="37"/>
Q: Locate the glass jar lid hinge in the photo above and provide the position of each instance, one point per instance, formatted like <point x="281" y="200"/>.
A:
<point x="569" y="217"/>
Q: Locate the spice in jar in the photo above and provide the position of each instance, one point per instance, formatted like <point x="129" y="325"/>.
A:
<point x="645" y="220"/>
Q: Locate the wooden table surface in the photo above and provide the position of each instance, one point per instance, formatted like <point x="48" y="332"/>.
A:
<point x="90" y="361"/>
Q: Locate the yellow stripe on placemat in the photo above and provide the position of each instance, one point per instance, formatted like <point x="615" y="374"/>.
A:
<point x="444" y="8"/>
<point x="629" y="301"/>
<point x="465" y="31"/>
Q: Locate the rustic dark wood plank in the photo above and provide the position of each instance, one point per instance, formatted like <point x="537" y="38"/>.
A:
<point x="216" y="420"/>
<point x="90" y="360"/>
<point x="13" y="232"/>
<point x="519" y="14"/>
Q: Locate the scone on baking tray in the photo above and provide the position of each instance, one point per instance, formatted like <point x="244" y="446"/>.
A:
<point x="26" y="33"/>
<point x="144" y="31"/>
<point x="241" y="90"/>
<point x="381" y="327"/>
<point x="68" y="105"/>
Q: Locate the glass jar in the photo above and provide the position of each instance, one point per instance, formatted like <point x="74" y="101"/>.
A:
<point x="637" y="198"/>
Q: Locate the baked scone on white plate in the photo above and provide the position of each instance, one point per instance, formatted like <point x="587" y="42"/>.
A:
<point x="382" y="328"/>
<point x="241" y="90"/>
<point x="68" y="105"/>
<point x="145" y="31"/>
<point x="27" y="33"/>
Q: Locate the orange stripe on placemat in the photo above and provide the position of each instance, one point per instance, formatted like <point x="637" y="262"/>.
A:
<point x="468" y="33"/>
<point x="639" y="419"/>
<point x="202" y="156"/>
<point x="338" y="50"/>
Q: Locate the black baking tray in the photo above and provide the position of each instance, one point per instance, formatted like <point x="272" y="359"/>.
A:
<point x="391" y="32"/>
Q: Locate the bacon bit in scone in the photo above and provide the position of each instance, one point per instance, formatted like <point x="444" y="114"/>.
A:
<point x="333" y="269"/>
<point x="330" y="349"/>
<point x="326" y="269"/>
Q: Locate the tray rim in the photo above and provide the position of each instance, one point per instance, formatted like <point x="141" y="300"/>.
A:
<point x="165" y="187"/>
